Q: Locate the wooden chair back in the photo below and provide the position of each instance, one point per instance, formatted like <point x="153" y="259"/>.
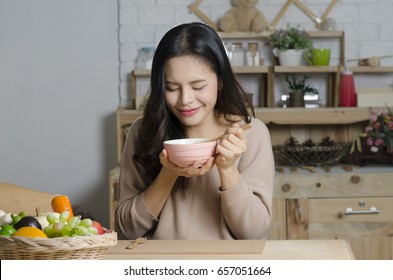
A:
<point x="14" y="199"/>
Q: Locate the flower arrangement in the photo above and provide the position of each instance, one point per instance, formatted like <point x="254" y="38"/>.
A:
<point x="379" y="132"/>
<point x="290" y="38"/>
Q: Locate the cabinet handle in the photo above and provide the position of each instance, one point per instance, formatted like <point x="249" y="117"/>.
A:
<point x="372" y="210"/>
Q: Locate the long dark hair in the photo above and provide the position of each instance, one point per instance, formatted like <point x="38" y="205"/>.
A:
<point x="159" y="124"/>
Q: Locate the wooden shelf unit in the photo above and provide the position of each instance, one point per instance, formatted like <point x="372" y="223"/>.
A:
<point x="267" y="72"/>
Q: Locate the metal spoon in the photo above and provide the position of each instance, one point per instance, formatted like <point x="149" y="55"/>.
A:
<point x="215" y="138"/>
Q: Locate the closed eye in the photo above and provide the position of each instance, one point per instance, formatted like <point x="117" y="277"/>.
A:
<point x="171" y="89"/>
<point x="198" y="88"/>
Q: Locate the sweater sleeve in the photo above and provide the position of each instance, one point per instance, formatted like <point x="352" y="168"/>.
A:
<point x="247" y="206"/>
<point x="133" y="219"/>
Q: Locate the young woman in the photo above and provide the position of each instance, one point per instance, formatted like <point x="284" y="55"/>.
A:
<point x="194" y="93"/>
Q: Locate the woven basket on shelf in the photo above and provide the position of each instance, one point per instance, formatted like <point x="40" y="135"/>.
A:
<point x="312" y="156"/>
<point x="61" y="248"/>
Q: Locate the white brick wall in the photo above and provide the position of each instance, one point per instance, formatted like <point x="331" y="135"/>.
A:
<point x="367" y="24"/>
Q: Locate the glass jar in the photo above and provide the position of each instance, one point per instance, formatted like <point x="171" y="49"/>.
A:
<point x="145" y="58"/>
<point x="237" y="54"/>
<point x="252" y="56"/>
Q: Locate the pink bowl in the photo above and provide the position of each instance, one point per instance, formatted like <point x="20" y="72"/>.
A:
<point x="183" y="152"/>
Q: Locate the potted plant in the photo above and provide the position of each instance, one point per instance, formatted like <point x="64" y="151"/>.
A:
<point x="289" y="45"/>
<point x="299" y="88"/>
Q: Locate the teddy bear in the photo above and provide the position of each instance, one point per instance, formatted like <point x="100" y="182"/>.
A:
<point x="244" y="16"/>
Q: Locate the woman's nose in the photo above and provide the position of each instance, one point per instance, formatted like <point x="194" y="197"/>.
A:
<point x="186" y="96"/>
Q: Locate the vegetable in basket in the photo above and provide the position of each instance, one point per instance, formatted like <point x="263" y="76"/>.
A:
<point x="28" y="221"/>
<point x="32" y="232"/>
<point x="42" y="218"/>
<point x="7" y="230"/>
<point x="5" y="218"/>
<point x="62" y="203"/>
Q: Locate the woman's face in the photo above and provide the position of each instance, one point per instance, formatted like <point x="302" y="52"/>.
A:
<point x="191" y="91"/>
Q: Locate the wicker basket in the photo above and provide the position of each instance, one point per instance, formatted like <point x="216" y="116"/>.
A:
<point x="312" y="156"/>
<point x="61" y="248"/>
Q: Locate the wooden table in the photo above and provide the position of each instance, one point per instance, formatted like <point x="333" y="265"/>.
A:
<point x="230" y="249"/>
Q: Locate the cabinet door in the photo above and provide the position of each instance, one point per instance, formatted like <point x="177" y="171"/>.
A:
<point x="367" y="222"/>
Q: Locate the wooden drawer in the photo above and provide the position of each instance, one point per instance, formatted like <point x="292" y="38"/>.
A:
<point x="356" y="209"/>
<point x="356" y="206"/>
<point x="368" y="225"/>
<point x="366" y="222"/>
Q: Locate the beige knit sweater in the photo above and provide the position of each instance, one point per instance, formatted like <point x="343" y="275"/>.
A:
<point x="205" y="212"/>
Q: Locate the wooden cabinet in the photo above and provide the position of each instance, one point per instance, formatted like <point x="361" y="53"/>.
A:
<point x="315" y="206"/>
<point x="356" y="206"/>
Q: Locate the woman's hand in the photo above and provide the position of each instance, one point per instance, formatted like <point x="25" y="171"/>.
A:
<point x="194" y="170"/>
<point x="230" y="147"/>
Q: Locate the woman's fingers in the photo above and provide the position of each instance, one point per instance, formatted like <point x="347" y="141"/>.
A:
<point x="196" y="169"/>
<point x="231" y="145"/>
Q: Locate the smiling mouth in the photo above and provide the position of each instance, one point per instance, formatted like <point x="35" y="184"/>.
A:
<point x="188" y="112"/>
